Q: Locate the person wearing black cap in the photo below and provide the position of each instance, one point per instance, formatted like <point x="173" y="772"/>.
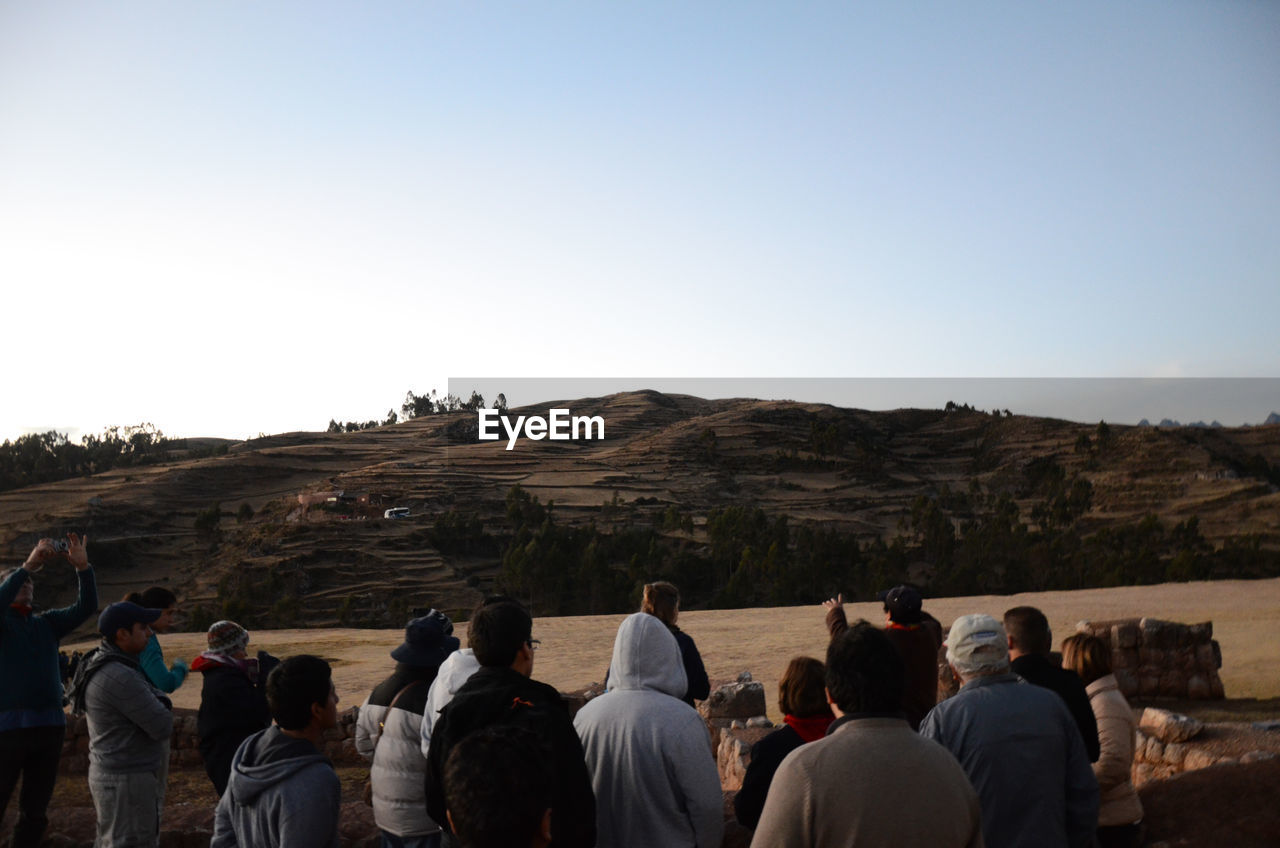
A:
<point x="917" y="637"/>
<point x="388" y="728"/>
<point x="130" y="722"/>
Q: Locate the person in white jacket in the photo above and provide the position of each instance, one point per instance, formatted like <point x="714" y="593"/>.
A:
<point x="649" y="754"/>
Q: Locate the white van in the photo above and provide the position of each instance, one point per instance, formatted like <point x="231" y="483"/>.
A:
<point x="397" y="512"/>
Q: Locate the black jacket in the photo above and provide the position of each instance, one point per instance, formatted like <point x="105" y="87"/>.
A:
<point x="1040" y="670"/>
<point x="766" y="756"/>
<point x="503" y="696"/>
<point x="232" y="708"/>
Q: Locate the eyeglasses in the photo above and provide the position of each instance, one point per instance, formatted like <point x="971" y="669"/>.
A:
<point x="533" y="643"/>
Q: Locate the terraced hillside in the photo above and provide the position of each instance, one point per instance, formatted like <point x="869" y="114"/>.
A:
<point x="283" y="552"/>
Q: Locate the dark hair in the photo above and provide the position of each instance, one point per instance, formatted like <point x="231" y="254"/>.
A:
<point x="1029" y="630"/>
<point x="661" y="600"/>
<point x="497" y="786"/>
<point x="864" y="671"/>
<point x="1086" y="655"/>
<point x="157" y="597"/>
<point x="498" y="631"/>
<point x="294" y="686"/>
<point x="800" y="691"/>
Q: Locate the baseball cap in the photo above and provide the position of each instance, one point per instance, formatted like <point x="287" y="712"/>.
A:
<point x="124" y="614"/>
<point x="977" y="636"/>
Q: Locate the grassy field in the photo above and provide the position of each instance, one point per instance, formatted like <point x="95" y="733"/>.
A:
<point x="575" y="651"/>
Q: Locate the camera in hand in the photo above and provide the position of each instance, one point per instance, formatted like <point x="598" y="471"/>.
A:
<point x="61" y="546"/>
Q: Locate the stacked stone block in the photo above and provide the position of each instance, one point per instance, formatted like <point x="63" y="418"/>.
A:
<point x="1163" y="659"/>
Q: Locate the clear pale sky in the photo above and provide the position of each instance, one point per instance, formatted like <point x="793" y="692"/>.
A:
<point x="232" y="218"/>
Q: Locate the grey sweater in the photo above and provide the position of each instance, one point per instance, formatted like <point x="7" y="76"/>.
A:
<point x="130" y="721"/>
<point x="283" y="793"/>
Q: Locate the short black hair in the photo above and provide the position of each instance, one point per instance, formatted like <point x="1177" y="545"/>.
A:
<point x="1029" y="630"/>
<point x="157" y="597"/>
<point x="864" y="671"/>
<point x="497" y="786"/>
<point x="294" y="686"/>
<point x="497" y="632"/>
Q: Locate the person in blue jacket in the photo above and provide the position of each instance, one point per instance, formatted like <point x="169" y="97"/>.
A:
<point x="32" y="723"/>
<point x="163" y="677"/>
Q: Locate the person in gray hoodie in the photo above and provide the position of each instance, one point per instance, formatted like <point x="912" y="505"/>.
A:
<point x="283" y="792"/>
<point x="649" y="754"/>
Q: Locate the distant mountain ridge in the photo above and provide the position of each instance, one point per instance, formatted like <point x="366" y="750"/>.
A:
<point x="298" y="537"/>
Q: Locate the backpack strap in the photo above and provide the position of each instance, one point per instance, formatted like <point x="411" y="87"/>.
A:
<point x="383" y="722"/>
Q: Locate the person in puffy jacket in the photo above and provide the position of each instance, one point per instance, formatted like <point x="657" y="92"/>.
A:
<point x="233" y="701"/>
<point x="1120" y="817"/>
<point x="388" y="728"/>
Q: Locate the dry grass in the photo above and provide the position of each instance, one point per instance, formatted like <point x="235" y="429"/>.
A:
<point x="576" y="651"/>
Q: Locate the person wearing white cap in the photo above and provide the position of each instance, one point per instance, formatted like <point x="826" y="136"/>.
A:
<point x="1017" y="743"/>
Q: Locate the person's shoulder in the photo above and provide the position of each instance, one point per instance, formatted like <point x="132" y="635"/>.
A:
<point x="777" y="744"/>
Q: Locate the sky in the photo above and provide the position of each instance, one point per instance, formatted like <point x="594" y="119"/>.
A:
<point x="228" y="219"/>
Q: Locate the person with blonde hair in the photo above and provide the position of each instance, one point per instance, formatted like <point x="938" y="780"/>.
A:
<point x="662" y="600"/>
<point x="1120" y="817"/>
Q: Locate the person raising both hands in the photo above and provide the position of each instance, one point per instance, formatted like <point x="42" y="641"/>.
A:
<point x="32" y="722"/>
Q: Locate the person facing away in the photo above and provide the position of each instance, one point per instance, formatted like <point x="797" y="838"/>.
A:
<point x="917" y="637"/>
<point x="283" y="791"/>
<point x="872" y="780"/>
<point x="802" y="697"/>
<point x="32" y="722"/>
<point x="650" y="758"/>
<point x="454" y="671"/>
<point x="502" y="693"/>
<point x="130" y="722"/>
<point x="1030" y="640"/>
<point x="233" y="698"/>
<point x="497" y="787"/>
<point x="1120" y="816"/>
<point x="662" y="599"/>
<point x="1017" y="743"/>
<point x="388" y="731"/>
<point x="151" y="659"/>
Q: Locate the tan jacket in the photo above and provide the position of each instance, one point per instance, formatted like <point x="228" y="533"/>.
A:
<point x="871" y="783"/>
<point x="1116" y="731"/>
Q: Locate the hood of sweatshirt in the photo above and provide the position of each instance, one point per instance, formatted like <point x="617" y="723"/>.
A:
<point x="646" y="656"/>
<point x="266" y="759"/>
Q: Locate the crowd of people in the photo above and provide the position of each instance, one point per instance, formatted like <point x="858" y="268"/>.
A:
<point x="467" y="749"/>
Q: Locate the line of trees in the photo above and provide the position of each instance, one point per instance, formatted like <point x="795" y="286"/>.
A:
<point x="417" y="406"/>
<point x="45" y="457"/>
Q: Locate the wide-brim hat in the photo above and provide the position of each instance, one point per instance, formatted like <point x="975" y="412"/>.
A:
<point x="427" y="641"/>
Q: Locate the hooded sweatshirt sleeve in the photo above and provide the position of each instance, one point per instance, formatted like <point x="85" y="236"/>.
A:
<point x="160" y="675"/>
<point x="695" y="772"/>
<point x="69" y="618"/>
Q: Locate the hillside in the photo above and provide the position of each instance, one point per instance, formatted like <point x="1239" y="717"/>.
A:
<point x="636" y="505"/>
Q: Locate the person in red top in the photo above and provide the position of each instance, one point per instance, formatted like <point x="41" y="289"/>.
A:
<point x="802" y="697"/>
<point x="915" y="634"/>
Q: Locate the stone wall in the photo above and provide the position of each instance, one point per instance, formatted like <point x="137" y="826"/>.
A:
<point x="1153" y="658"/>
<point x="184" y="751"/>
